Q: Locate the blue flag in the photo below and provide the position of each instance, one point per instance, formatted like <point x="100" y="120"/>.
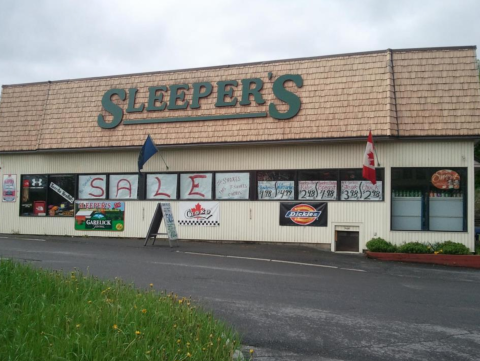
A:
<point x="148" y="150"/>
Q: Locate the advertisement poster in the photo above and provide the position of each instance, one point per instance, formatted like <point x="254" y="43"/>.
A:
<point x="99" y="216"/>
<point x="232" y="185"/>
<point x="446" y="179"/>
<point x="60" y="195"/>
<point x="317" y="190"/>
<point x="196" y="186"/>
<point x="161" y="186"/>
<point x="276" y="190"/>
<point x="199" y="214"/>
<point x="304" y="214"/>
<point x="9" y="188"/>
<point x="92" y="186"/>
<point x="169" y="221"/>
<point x="123" y="186"/>
<point x="361" y="191"/>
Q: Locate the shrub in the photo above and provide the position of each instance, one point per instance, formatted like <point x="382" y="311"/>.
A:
<point x="449" y="247"/>
<point x="380" y="245"/>
<point x="414" y="247"/>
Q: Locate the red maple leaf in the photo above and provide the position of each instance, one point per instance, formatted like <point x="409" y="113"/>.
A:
<point x="371" y="159"/>
<point x="197" y="209"/>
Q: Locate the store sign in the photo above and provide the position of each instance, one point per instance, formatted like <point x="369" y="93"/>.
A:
<point x="304" y="214"/>
<point x="446" y="179"/>
<point x="9" y="191"/>
<point x="123" y="186"/>
<point x="317" y="190"/>
<point x="361" y="191"/>
<point x="199" y="214"/>
<point x="169" y="221"/>
<point x="92" y="186"/>
<point x="99" y="216"/>
<point x="276" y="190"/>
<point x="232" y="185"/>
<point x="161" y="186"/>
<point x="229" y="94"/>
<point x="196" y="186"/>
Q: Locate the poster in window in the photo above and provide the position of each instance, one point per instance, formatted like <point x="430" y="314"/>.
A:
<point x="232" y="185"/>
<point x="92" y="186"/>
<point x="33" y="196"/>
<point x="60" y="195"/>
<point x="361" y="191"/>
<point x="9" y="188"/>
<point x="99" y="216"/>
<point x="317" y="190"/>
<point x="161" y="186"/>
<point x="268" y="190"/>
<point x="123" y="186"/>
<point x="312" y="214"/>
<point x="196" y="186"/>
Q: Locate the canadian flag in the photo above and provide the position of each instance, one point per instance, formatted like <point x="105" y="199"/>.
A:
<point x="369" y="161"/>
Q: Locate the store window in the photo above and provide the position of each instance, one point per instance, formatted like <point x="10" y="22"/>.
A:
<point x="318" y="184"/>
<point x="60" y="196"/>
<point x="353" y="187"/>
<point x="273" y="185"/>
<point x="429" y="199"/>
<point x="34" y="195"/>
<point x="196" y="186"/>
<point x="123" y="186"/>
<point x="232" y="185"/>
<point x="161" y="186"/>
<point x="92" y="186"/>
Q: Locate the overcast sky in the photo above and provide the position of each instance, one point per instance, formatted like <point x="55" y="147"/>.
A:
<point x="55" y="40"/>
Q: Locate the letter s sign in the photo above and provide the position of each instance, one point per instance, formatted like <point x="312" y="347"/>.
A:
<point x="286" y="96"/>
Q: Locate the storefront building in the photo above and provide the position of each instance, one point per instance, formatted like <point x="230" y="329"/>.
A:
<point x="267" y="152"/>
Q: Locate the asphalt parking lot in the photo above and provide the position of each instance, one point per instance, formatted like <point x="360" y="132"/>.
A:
<point x="292" y="302"/>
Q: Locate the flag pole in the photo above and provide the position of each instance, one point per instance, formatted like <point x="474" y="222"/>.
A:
<point x="160" y="154"/>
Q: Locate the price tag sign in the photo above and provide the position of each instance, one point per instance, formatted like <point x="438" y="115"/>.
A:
<point x="276" y="190"/>
<point x="316" y="190"/>
<point x="361" y="191"/>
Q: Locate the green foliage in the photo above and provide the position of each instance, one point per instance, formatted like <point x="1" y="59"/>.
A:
<point x="415" y="247"/>
<point x="380" y="245"/>
<point x="52" y="316"/>
<point x="449" y="247"/>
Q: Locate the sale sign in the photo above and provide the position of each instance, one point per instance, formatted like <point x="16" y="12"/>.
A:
<point x="161" y="186"/>
<point x="92" y="186"/>
<point x="317" y="190"/>
<point x="196" y="186"/>
<point x="276" y="190"/>
<point x="361" y="191"/>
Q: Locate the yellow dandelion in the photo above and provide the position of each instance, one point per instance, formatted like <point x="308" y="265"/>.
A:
<point x="180" y="301"/>
<point x="251" y="351"/>
<point x="151" y="284"/>
<point x="178" y="341"/>
<point x="144" y="310"/>
<point x="189" y="354"/>
<point x="115" y="327"/>
<point x="89" y="302"/>
<point x="138" y="333"/>
<point x="78" y="325"/>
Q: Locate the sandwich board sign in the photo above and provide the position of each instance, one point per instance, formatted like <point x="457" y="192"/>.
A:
<point x="162" y="212"/>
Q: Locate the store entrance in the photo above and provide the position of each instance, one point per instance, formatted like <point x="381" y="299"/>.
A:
<point x="347" y="241"/>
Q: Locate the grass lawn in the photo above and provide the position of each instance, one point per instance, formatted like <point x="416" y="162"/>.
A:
<point x="46" y="315"/>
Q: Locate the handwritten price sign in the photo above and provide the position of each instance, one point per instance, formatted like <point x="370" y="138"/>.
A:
<point x="361" y="191"/>
<point x="315" y="190"/>
<point x="276" y="189"/>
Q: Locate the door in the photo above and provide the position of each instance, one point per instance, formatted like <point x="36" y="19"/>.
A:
<point x="347" y="241"/>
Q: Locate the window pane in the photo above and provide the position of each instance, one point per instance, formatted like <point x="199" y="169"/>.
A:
<point x="60" y="195"/>
<point x="232" y="185"/>
<point x="123" y="186"/>
<point x="196" y="186"/>
<point x="92" y="186"/>
<point x="161" y="186"/>
<point x="317" y="185"/>
<point x="276" y="185"/>
<point x="34" y="195"/>
<point x="361" y="191"/>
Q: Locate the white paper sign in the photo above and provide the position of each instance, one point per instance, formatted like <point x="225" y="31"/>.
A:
<point x="317" y="190"/>
<point x="169" y="221"/>
<point x="123" y="186"/>
<point x="61" y="192"/>
<point x="92" y="186"/>
<point x="199" y="214"/>
<point x="196" y="186"/>
<point x="232" y="185"/>
<point x="9" y="191"/>
<point x="276" y="190"/>
<point x="161" y="186"/>
<point x="361" y="191"/>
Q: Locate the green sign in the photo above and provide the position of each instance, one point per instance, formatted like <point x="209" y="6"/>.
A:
<point x="99" y="216"/>
<point x="229" y="93"/>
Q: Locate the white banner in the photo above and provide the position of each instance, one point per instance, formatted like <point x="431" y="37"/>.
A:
<point x="9" y="193"/>
<point x="361" y="191"/>
<point x="196" y="186"/>
<point x="61" y="192"/>
<point x="123" y="186"/>
<point x="317" y="190"/>
<point x="199" y="214"/>
<point x="232" y="185"/>
<point x="276" y="190"/>
<point x="92" y="186"/>
<point x="161" y="186"/>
